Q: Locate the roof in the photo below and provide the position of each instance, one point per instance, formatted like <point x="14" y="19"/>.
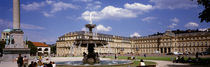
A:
<point x="39" y="44"/>
<point x="7" y="30"/>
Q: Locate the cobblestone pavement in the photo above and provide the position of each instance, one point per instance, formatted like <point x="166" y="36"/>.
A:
<point x="8" y="64"/>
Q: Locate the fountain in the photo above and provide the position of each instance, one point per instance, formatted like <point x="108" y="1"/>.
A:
<point x="91" y="58"/>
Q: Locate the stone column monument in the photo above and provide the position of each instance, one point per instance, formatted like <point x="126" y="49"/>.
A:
<point x="16" y="43"/>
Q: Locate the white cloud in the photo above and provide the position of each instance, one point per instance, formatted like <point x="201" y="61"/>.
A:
<point x="97" y="2"/>
<point x="49" y="1"/>
<point x="191" y="25"/>
<point x="111" y="12"/>
<point x="135" y="34"/>
<point x="172" y="25"/>
<point x="84" y="29"/>
<point x="48" y="40"/>
<point x="147" y="19"/>
<point x="32" y="6"/>
<point x="176" y="20"/>
<point x="5" y="24"/>
<point x="173" y="4"/>
<point x="108" y="12"/>
<point x="83" y="0"/>
<point x="56" y="6"/>
<point x="29" y="26"/>
<point x="59" y="6"/>
<point x="203" y="29"/>
<point x="92" y="6"/>
<point x="8" y="24"/>
<point x="101" y="27"/>
<point x="138" y="6"/>
<point x="47" y="14"/>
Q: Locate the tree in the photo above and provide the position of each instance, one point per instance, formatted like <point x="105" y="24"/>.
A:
<point x="205" y="14"/>
<point x="33" y="49"/>
<point x="2" y="45"/>
<point x="53" y="48"/>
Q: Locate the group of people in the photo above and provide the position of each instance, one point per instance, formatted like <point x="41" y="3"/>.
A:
<point x="179" y="59"/>
<point x="189" y="60"/>
<point x="40" y="64"/>
<point x="23" y="62"/>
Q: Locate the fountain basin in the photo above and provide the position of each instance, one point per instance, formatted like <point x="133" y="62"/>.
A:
<point x="102" y="63"/>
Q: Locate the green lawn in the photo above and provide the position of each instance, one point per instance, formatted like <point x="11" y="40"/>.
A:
<point x="146" y="58"/>
<point x="164" y="58"/>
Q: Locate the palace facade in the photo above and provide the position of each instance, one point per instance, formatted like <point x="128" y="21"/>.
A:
<point x="170" y="41"/>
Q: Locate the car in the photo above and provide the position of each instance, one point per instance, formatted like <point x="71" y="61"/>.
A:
<point x="177" y="53"/>
<point x="170" y="53"/>
<point x="205" y="53"/>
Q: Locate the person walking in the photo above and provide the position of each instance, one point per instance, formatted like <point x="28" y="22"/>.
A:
<point x="145" y="55"/>
<point x="40" y="64"/>
<point x="20" y="61"/>
<point x="25" y="61"/>
<point x="115" y="56"/>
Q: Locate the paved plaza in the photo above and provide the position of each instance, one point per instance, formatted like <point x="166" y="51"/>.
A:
<point x="170" y="64"/>
<point x="54" y="59"/>
<point x="60" y="59"/>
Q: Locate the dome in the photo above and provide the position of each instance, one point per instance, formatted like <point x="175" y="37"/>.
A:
<point x="7" y="30"/>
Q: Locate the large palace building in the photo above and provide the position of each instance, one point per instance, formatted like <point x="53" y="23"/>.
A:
<point x="189" y="41"/>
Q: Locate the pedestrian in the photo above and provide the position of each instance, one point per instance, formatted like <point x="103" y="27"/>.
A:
<point x="40" y="64"/>
<point x="35" y="64"/>
<point x="20" y="61"/>
<point x="53" y="63"/>
<point x="31" y="65"/>
<point x="177" y="59"/>
<point x="50" y="64"/>
<point x="145" y="55"/>
<point x="189" y="60"/>
<point x="25" y="61"/>
<point x="182" y="60"/>
<point x="115" y="56"/>
<point x="196" y="55"/>
<point x="141" y="63"/>
<point x="84" y="54"/>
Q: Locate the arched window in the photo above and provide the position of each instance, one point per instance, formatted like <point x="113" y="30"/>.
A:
<point x="46" y="49"/>
<point x="40" y="49"/>
<point x="122" y="49"/>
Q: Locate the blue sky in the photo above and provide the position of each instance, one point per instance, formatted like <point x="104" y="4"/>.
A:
<point x="46" y="20"/>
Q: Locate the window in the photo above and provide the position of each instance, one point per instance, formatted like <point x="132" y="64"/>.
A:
<point x="40" y="49"/>
<point x="204" y="37"/>
<point x="46" y="49"/>
<point x="202" y="44"/>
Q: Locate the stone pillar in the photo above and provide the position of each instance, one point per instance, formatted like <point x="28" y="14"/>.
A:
<point x="16" y="14"/>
